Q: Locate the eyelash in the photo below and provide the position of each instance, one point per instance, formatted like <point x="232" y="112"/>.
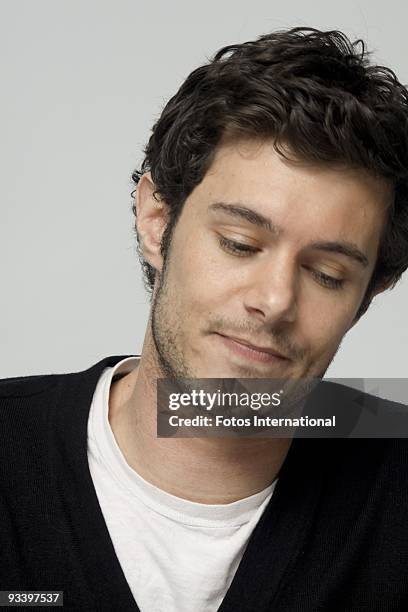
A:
<point x="242" y="250"/>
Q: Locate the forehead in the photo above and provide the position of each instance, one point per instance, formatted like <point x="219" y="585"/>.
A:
<point x="308" y="201"/>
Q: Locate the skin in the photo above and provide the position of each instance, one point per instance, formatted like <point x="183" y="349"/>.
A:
<point x="281" y="290"/>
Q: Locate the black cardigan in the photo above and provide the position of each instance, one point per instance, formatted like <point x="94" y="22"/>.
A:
<point x="334" y="536"/>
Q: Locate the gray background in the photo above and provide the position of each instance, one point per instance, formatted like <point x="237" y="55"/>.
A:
<point x="82" y="82"/>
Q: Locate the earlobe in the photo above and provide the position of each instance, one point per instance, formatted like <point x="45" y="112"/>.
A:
<point x="151" y="221"/>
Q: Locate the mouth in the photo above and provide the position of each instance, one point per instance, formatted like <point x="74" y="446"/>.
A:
<point x="251" y="351"/>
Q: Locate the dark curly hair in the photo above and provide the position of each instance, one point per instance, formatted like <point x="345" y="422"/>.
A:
<point x="312" y="91"/>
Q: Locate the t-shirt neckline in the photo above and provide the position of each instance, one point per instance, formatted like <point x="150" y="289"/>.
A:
<point x="157" y="500"/>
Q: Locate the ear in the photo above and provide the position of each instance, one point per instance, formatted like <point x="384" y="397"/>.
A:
<point x="151" y="221"/>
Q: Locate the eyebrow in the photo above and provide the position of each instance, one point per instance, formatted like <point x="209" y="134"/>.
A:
<point x="248" y="214"/>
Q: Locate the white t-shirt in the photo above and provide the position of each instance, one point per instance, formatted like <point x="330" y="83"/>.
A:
<point x="176" y="555"/>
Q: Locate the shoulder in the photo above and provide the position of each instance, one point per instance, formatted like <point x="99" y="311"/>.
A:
<point x="24" y="386"/>
<point x="42" y="413"/>
<point x="24" y="399"/>
<point x="358" y="414"/>
<point x="41" y="390"/>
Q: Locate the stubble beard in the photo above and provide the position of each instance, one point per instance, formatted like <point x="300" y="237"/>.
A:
<point x="166" y="330"/>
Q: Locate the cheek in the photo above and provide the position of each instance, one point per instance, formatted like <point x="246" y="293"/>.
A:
<point x="325" y="332"/>
<point x="197" y="271"/>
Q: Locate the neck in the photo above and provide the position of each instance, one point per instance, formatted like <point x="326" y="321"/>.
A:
<point x="203" y="470"/>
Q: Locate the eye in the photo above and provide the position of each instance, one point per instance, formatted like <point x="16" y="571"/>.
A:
<point x="327" y="281"/>
<point x="236" y="248"/>
<point x="241" y="249"/>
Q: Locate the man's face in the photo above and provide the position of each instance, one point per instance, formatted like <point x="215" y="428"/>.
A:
<point x="292" y="288"/>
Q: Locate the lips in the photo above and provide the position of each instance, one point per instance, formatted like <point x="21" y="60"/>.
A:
<point x="252" y="351"/>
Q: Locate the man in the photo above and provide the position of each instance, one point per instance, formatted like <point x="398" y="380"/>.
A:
<point x="271" y="209"/>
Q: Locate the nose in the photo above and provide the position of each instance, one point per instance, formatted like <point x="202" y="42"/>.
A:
<point x="271" y="293"/>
